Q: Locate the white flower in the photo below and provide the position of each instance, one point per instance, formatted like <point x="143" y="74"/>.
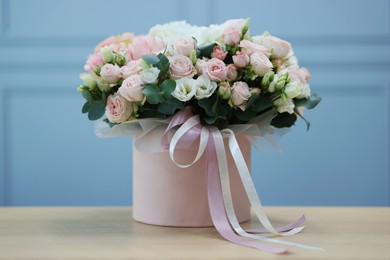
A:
<point x="292" y="90"/>
<point x="107" y="54"/>
<point x="204" y="87"/>
<point x="272" y="85"/>
<point x="284" y="105"/>
<point x="304" y="91"/>
<point x="150" y="75"/>
<point x="185" y="89"/>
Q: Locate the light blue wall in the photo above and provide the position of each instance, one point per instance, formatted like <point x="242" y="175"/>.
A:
<point x="50" y="156"/>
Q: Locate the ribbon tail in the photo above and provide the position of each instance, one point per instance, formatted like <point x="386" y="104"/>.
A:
<point x="293" y="225"/>
<point x="217" y="208"/>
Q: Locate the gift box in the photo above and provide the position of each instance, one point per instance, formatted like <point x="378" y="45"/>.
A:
<point x="165" y="194"/>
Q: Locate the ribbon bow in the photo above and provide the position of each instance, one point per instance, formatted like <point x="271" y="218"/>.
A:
<point x="218" y="184"/>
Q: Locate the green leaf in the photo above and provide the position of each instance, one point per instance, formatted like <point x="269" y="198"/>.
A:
<point x="304" y="119"/>
<point x="244" y="115"/>
<point x="311" y="102"/>
<point x="284" y="120"/>
<point x="168" y="86"/>
<point x="213" y="108"/>
<point x="96" y="110"/>
<point x="163" y="64"/>
<point x="169" y="106"/>
<point x="151" y="59"/>
<point x="87" y="95"/>
<point x="259" y="103"/>
<point x="154" y="95"/>
<point x="86" y="107"/>
<point x="206" y="50"/>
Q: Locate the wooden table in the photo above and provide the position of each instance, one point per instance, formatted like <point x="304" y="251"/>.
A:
<point x="110" y="233"/>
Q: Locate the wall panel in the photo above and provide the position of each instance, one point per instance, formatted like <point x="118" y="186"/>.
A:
<point x="52" y="162"/>
<point x="50" y="156"/>
<point x="87" y="18"/>
<point x="302" y="18"/>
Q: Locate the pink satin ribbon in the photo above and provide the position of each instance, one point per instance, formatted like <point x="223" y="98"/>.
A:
<point x="216" y="201"/>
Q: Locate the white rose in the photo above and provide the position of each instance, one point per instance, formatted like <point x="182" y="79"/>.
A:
<point x="111" y="73"/>
<point x="284" y="105"/>
<point x="185" y="89"/>
<point x="150" y="75"/>
<point x="204" y="87"/>
<point x="131" y="88"/>
<point x="304" y="91"/>
<point x="260" y="63"/>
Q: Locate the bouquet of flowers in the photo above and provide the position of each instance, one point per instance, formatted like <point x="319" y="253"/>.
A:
<point x="221" y="72"/>
<point x="197" y="83"/>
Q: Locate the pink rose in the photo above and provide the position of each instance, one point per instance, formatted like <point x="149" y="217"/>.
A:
<point x="260" y="63"/>
<point x="118" y="109"/>
<point x="144" y="45"/>
<point x="111" y="73"/>
<point x="180" y="67"/>
<point x="218" y="53"/>
<point x="231" y="72"/>
<point x="131" y="88"/>
<point x="231" y="36"/>
<point x="183" y="45"/>
<point x="94" y="61"/>
<point x="305" y="73"/>
<point x="249" y="47"/>
<point x="132" y="67"/>
<point x="240" y="59"/>
<point x="215" y="70"/>
<point x="241" y="94"/>
<point x="106" y="42"/>
<point x="236" y="23"/>
<point x="280" y="48"/>
<point x="116" y="42"/>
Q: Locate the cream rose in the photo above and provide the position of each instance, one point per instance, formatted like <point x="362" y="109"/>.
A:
<point x="231" y="73"/>
<point x="111" y="73"/>
<point x="260" y="63"/>
<point x="131" y="89"/>
<point x="249" y="47"/>
<point x="278" y="47"/>
<point x="241" y="59"/>
<point x="180" y="67"/>
<point x="132" y="67"/>
<point x="183" y="45"/>
<point x="118" y="109"/>
<point x="241" y="94"/>
<point x="215" y="70"/>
